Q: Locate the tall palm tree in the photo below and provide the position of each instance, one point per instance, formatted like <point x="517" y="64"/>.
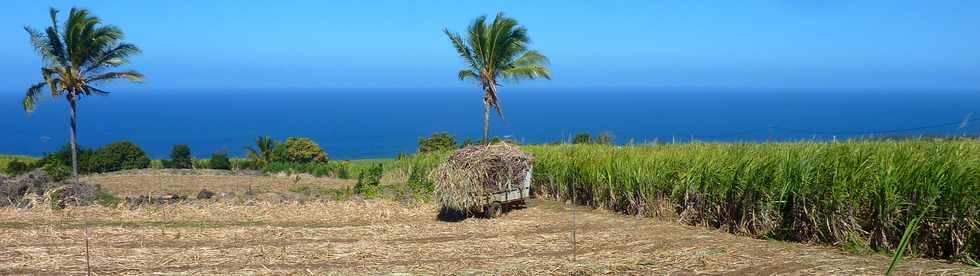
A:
<point x="261" y="154"/>
<point x="497" y="51"/>
<point x="76" y="57"/>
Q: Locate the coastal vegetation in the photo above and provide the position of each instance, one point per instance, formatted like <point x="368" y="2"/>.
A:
<point x="261" y="154"/>
<point x="117" y="156"/>
<point x="76" y="58"/>
<point x="493" y="52"/>
<point x="180" y="158"/>
<point x="122" y="155"/>
<point x="440" y="141"/>
<point x="219" y="161"/>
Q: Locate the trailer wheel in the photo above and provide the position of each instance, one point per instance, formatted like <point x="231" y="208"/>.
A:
<point x="492" y="210"/>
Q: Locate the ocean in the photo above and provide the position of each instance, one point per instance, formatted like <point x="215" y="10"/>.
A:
<point x="380" y="123"/>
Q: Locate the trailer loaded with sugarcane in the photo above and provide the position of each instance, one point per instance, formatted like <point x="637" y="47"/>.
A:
<point x="483" y="179"/>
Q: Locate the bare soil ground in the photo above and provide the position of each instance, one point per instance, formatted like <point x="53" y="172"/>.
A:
<point x="190" y="182"/>
<point x="379" y="237"/>
<point x="346" y="237"/>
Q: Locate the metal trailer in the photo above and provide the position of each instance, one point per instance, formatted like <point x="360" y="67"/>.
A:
<point x="494" y="203"/>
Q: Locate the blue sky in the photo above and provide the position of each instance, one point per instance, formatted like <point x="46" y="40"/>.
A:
<point x="743" y="44"/>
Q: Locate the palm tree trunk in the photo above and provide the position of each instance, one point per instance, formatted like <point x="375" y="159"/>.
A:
<point x="72" y="102"/>
<point x="486" y="121"/>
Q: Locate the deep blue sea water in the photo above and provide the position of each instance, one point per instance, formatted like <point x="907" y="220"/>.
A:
<point x="370" y="123"/>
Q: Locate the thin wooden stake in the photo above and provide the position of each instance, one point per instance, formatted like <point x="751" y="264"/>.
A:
<point x="573" y="221"/>
<point x="88" y="263"/>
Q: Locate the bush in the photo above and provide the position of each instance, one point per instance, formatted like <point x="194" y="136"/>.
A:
<point x="57" y="172"/>
<point x="62" y="157"/>
<point x="440" y="141"/>
<point x="15" y="168"/>
<point x="219" y="161"/>
<point x="369" y="181"/>
<point x="605" y="138"/>
<point x="180" y="158"/>
<point x="419" y="182"/>
<point x="582" y="138"/>
<point x="343" y="170"/>
<point x="299" y="150"/>
<point x="116" y="157"/>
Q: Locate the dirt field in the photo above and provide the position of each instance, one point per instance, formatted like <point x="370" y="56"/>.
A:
<point x="190" y="182"/>
<point x="384" y="237"/>
<point x="377" y="237"/>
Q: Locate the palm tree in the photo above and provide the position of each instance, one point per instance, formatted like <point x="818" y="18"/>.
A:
<point x="261" y="154"/>
<point x="75" y="58"/>
<point x="493" y="52"/>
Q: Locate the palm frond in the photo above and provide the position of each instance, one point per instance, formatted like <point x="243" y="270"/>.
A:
<point x="40" y="44"/>
<point x="132" y="76"/>
<point x="531" y="57"/>
<point x="251" y="153"/>
<point x="508" y="40"/>
<point x="477" y="41"/>
<point x="92" y="90"/>
<point x="31" y="97"/>
<point x="80" y="31"/>
<point x="48" y="74"/>
<point x="101" y="40"/>
<point x="462" y="49"/>
<point x="530" y="72"/>
<point x="468" y="74"/>
<point x="112" y="57"/>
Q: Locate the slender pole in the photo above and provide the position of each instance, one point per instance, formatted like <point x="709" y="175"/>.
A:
<point x="573" y="221"/>
<point x="88" y="263"/>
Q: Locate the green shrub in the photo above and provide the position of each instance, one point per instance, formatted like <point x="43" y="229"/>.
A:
<point x="440" y="141"/>
<point x="582" y="138"/>
<point x="219" y="161"/>
<point x="116" y="157"/>
<point x="605" y="138"/>
<point x="299" y="150"/>
<point x="262" y="153"/>
<point x="62" y="157"/>
<point x="16" y="167"/>
<point x="369" y="182"/>
<point x="57" y="172"/>
<point x="180" y="158"/>
<point x="321" y="170"/>
<point x="343" y="170"/>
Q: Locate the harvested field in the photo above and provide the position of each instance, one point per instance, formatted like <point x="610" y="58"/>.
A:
<point x="371" y="237"/>
<point x="190" y="182"/>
